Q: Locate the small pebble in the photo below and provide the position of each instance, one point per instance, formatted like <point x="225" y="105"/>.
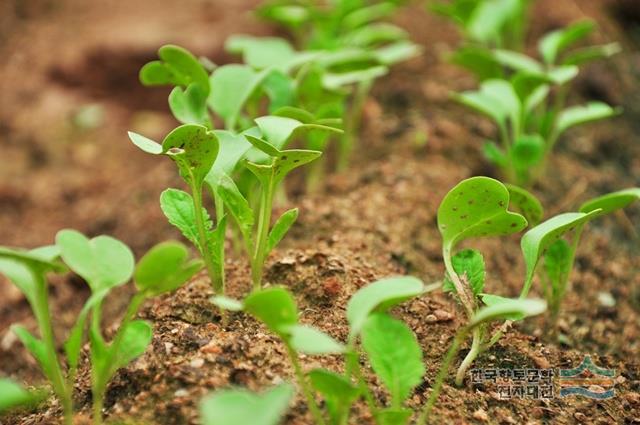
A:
<point x="181" y="393"/>
<point x="480" y="415"/>
<point x="606" y="299"/>
<point x="580" y="417"/>
<point x="197" y="363"/>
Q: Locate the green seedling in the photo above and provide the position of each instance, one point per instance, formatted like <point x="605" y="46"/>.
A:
<point x="359" y="43"/>
<point x="105" y="263"/>
<point x="556" y="241"/>
<point x="526" y="99"/>
<point x="489" y="23"/>
<point x="194" y="149"/>
<point x="478" y="207"/>
<point x="389" y="344"/>
<point x="242" y="407"/>
<point x="507" y="308"/>
<point x="270" y="163"/>
<point x="276" y="308"/>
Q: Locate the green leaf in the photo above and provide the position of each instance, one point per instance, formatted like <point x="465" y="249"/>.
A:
<point x="611" y="202"/>
<point x="496" y="99"/>
<point x="280" y="131"/>
<point x="165" y="268"/>
<point x="281" y="227"/>
<point x="37" y="348"/>
<point x="178" y="207"/>
<point x="367" y="14"/>
<point x="261" y="52"/>
<point x="335" y="80"/>
<point x="237" y="205"/>
<point x="194" y="149"/>
<point x="312" y="341"/>
<point x="280" y="89"/>
<point x="552" y="44"/>
<point x="479" y="61"/>
<point x="232" y="148"/>
<point x="536" y="241"/>
<point x="526" y="203"/>
<point x="136" y="337"/>
<point x="557" y="263"/>
<point x="25" y="278"/>
<point x="577" y="115"/>
<point x="14" y="395"/>
<point x="508" y="308"/>
<point x="394" y="354"/>
<point x="488" y="18"/>
<point x="591" y="53"/>
<point x="189" y="106"/>
<point x="563" y="74"/>
<point x="146" y="144"/>
<point x="177" y="67"/>
<point x="470" y="264"/>
<point x="391" y="416"/>
<point x="338" y="392"/>
<point x="477" y="207"/>
<point x="231" y="87"/>
<point x="104" y="262"/>
<point x="242" y="407"/>
<point x="380" y="296"/>
<point x="275" y="307"/>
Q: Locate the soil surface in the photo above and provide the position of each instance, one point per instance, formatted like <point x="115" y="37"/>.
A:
<point x="70" y="92"/>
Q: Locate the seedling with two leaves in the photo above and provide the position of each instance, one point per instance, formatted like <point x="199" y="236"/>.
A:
<point x="489" y="23"/>
<point x="526" y="98"/>
<point x="556" y="241"/>
<point x="389" y="344"/>
<point x="479" y="207"/>
<point x="105" y="263"/>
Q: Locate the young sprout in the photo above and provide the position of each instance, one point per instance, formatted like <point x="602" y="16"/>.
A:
<point x="477" y="207"/>
<point x="269" y="163"/>
<point x="194" y="149"/>
<point x="242" y="407"/>
<point x="390" y="345"/>
<point x="506" y="309"/>
<point x="549" y="240"/>
<point x="276" y="308"/>
<point x="519" y="101"/>
<point x="27" y="270"/>
<point x="491" y="23"/>
<point x="104" y="263"/>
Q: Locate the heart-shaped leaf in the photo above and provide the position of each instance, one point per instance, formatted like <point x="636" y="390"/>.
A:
<point x="242" y="407"/>
<point x="477" y="207"/>
<point x="189" y="106"/>
<point x="380" y="296"/>
<point x="104" y="262"/>
<point x="176" y="67"/>
<point x="194" y="149"/>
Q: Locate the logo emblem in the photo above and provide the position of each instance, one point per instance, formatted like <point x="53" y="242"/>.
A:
<point x="587" y="380"/>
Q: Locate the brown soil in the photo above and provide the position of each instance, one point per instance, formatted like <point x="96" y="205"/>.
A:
<point x="375" y="220"/>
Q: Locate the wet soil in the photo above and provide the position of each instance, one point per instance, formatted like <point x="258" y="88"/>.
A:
<point x="60" y="169"/>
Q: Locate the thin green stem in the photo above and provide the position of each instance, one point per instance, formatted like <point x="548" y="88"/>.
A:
<point x="43" y="316"/>
<point x="352" y="124"/>
<point x="442" y="374"/>
<point x="216" y="279"/>
<point x="262" y="235"/>
<point x="304" y="386"/>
